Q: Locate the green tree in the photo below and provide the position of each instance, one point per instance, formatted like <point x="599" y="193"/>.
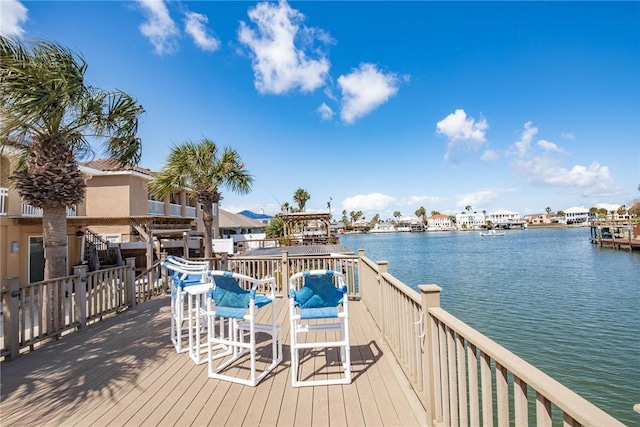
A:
<point x="204" y="171"/>
<point x="355" y="216"/>
<point x="275" y="228"/>
<point x="374" y="220"/>
<point x="435" y="212"/>
<point x="397" y="215"/>
<point x="301" y="197"/>
<point x="421" y="212"/>
<point x="345" y="218"/>
<point x="593" y="211"/>
<point x="547" y="210"/>
<point x="634" y="210"/>
<point x="622" y="211"/>
<point x="602" y="213"/>
<point x="51" y="115"/>
<point x="285" y="208"/>
<point x="467" y="208"/>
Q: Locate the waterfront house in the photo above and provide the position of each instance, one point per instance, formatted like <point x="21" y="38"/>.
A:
<point x="575" y="216"/>
<point x="439" y="222"/>
<point x="538" y="218"/>
<point x="117" y="211"/>
<point x="503" y="217"/>
<point x="470" y="220"/>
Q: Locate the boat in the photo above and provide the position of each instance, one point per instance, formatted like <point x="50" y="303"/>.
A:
<point x="383" y="227"/>
<point x="492" y="233"/>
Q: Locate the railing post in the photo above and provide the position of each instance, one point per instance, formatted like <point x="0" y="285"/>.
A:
<point x="360" y="282"/>
<point x="163" y="274"/>
<point x="10" y="308"/>
<point x="131" y="281"/>
<point x="430" y="295"/>
<point x="383" y="267"/>
<point x="224" y="262"/>
<point x="284" y="269"/>
<point x="81" y="293"/>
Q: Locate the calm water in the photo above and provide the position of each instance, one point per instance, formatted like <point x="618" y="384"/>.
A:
<point x="548" y="295"/>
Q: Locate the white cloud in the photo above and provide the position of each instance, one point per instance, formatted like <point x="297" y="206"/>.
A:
<point x="364" y="89"/>
<point x="325" y="111"/>
<point x="479" y="198"/>
<point x="368" y="202"/>
<point x="489" y="156"/>
<point x="278" y="64"/>
<point x="549" y="146"/>
<point x="593" y="180"/>
<point x="415" y="200"/>
<point x="13" y="15"/>
<point x="463" y="133"/>
<point x="196" y="27"/>
<point x="159" y="27"/>
<point x="522" y="146"/>
<point x="568" y="135"/>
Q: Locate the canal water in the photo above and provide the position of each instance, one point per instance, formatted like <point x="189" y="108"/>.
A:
<point x="565" y="305"/>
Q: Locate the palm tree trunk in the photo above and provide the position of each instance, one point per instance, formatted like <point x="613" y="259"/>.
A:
<point x="207" y="218"/>
<point x="54" y="233"/>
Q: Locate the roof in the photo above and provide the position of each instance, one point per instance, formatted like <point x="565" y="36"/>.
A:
<point x="503" y="212"/>
<point x="576" y="210"/>
<point x="438" y="216"/>
<point x="111" y="165"/>
<point x="231" y="220"/>
<point x="302" y="250"/>
<point x="253" y="215"/>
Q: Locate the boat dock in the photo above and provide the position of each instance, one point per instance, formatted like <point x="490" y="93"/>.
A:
<point x="616" y="234"/>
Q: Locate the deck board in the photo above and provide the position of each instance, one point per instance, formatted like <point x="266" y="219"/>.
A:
<point x="124" y="371"/>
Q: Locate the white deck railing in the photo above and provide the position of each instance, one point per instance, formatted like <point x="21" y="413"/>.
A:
<point x="33" y="211"/>
<point x="4" y="196"/>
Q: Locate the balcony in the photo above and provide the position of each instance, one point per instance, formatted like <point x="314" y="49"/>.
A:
<point x="32" y="211"/>
<point x="156" y="207"/>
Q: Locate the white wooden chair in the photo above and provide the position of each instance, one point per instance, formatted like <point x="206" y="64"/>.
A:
<point x="322" y="295"/>
<point x="235" y="309"/>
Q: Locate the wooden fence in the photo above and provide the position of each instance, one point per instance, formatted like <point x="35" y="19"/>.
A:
<point x="45" y="310"/>
<point x="462" y="377"/>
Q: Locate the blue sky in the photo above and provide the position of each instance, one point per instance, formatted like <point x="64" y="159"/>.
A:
<point x="377" y="106"/>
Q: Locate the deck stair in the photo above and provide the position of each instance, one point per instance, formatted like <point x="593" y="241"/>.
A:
<point x="98" y="253"/>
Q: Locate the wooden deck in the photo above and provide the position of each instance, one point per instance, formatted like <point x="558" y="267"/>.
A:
<point x="125" y="371"/>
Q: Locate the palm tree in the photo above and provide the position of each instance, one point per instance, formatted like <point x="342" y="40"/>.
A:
<point x="467" y="208"/>
<point x="204" y="172"/>
<point x="397" y="214"/>
<point x="285" y="207"/>
<point x="421" y="212"/>
<point x="547" y="210"/>
<point x="300" y="197"/>
<point x="52" y="116"/>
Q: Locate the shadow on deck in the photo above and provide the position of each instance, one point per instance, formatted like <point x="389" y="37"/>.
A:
<point x="125" y="371"/>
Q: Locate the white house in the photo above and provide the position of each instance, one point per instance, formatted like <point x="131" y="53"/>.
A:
<point x="439" y="222"/>
<point x="575" y="215"/>
<point x="503" y="216"/>
<point x="470" y="220"/>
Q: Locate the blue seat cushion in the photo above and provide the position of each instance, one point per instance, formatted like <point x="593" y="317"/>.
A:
<point x="319" y="313"/>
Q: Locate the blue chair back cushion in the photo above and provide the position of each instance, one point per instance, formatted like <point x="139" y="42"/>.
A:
<point x="318" y="292"/>
<point x="231" y="299"/>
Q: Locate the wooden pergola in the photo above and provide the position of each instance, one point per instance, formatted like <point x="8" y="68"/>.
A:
<point x="291" y="220"/>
